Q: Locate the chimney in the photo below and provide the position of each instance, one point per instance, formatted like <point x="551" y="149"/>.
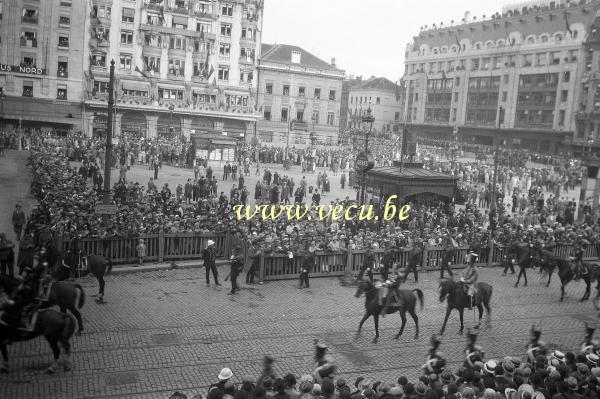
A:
<point x="333" y="62"/>
<point x="296" y="56"/>
<point x="467" y="18"/>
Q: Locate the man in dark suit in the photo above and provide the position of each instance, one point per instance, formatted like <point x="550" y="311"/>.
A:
<point x="368" y="264"/>
<point x="237" y="265"/>
<point x="18" y="220"/>
<point x="209" y="255"/>
<point x="308" y="264"/>
<point x="414" y="260"/>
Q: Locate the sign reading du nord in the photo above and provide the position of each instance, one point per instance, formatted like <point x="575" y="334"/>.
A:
<point x="22" y="69"/>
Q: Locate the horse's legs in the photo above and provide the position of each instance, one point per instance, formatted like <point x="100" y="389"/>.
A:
<point x="549" y="278"/>
<point x="56" y="352"/>
<point x="4" y="365"/>
<point x="480" y="310"/>
<point x="586" y="294"/>
<point x="376" y="320"/>
<point x="365" y="317"/>
<point x="77" y="315"/>
<point x="562" y="291"/>
<point x="448" y="310"/>
<point x="403" y="316"/>
<point x="462" y="326"/>
<point x="416" y="319"/>
<point x="67" y="354"/>
<point x="100" y="286"/>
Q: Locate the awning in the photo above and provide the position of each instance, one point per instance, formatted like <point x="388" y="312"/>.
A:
<point x="129" y="12"/>
<point x="177" y="20"/>
<point x="139" y="86"/>
<point x="101" y="78"/>
<point x="231" y="142"/>
<point x="170" y="87"/>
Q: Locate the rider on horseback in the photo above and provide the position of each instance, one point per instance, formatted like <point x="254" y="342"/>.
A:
<point x="579" y="267"/>
<point x="24" y="303"/>
<point x="474" y="352"/>
<point x="536" y="347"/>
<point x="391" y="284"/>
<point x="469" y="278"/>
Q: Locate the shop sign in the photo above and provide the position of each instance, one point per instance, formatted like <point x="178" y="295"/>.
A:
<point x="364" y="162"/>
<point x="22" y="69"/>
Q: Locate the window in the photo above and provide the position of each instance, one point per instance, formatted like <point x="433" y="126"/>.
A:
<point x="455" y="97"/>
<point x="561" y="117"/>
<point x="223" y="73"/>
<point x="64" y="20"/>
<point x="27" y="88"/>
<point x="63" y="41"/>
<point x="100" y="87"/>
<point x="203" y="27"/>
<point x="227" y="10"/>
<point x="332" y="95"/>
<point x="176" y="43"/>
<point x="564" y="94"/>
<point x="286" y="90"/>
<point x="126" y="37"/>
<point x="153" y="19"/>
<point x="284" y="114"/>
<point x="246" y="77"/>
<point x="247" y="53"/>
<point x="99" y="60"/>
<point x="301" y="91"/>
<point x="573" y="55"/>
<point x="28" y="60"/>
<point x="541" y="59"/>
<point x="61" y="92"/>
<point x="226" y="29"/>
<point x="125" y="61"/>
<point x="317" y="94"/>
<point x="224" y="50"/>
<point x="267" y="113"/>
<point x="63" y="68"/>
<point x="378" y="101"/>
<point x="269" y="88"/>
<point x="152" y="64"/>
<point x="299" y="116"/>
<point x="566" y="76"/>
<point x="315" y="116"/>
<point x="247" y="33"/>
<point x="396" y="116"/>
<point x="102" y="11"/>
<point x="176" y="67"/>
<point x="504" y="95"/>
<point x="527" y="60"/>
<point x="127" y="15"/>
<point x="330" y="118"/>
<point x="475" y="64"/>
<point x="170" y="94"/>
<point x="457" y="82"/>
<point x="29" y="16"/>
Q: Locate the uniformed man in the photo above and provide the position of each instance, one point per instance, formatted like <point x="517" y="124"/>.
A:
<point x="392" y="284"/>
<point x="237" y="265"/>
<point x="469" y="278"/>
<point x="447" y="256"/>
<point x="368" y="264"/>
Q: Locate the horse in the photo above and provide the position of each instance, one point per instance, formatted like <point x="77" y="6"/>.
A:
<point x="373" y="308"/>
<point x="63" y="294"/>
<point x="98" y="265"/>
<point x="56" y="327"/>
<point x="527" y="259"/>
<point x="458" y="299"/>
<point x="567" y="274"/>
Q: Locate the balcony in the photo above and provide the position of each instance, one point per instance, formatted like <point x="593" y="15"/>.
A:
<point x="198" y="78"/>
<point x="29" y="20"/>
<point x="203" y="14"/>
<point x="166" y="102"/>
<point x="150" y="5"/>
<point x="250" y="18"/>
<point x="99" y="96"/>
<point x="104" y="43"/>
<point x="224" y="58"/>
<point x="176" y="74"/>
<point x="175" y="31"/>
<point x="99" y="68"/>
<point x="32" y="43"/>
<point x="246" y="60"/>
<point x="62" y="74"/>
<point x="178" y="10"/>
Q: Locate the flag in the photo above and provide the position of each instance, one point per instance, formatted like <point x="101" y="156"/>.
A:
<point x="397" y="92"/>
<point x="457" y="41"/>
<point x="138" y="70"/>
<point x="567" y="23"/>
<point x="212" y="70"/>
<point x="206" y="61"/>
<point x="202" y="33"/>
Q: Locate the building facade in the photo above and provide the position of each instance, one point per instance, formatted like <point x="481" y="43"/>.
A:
<point x="512" y="78"/>
<point x="42" y="63"/>
<point x="182" y="67"/>
<point x="383" y="97"/>
<point x="299" y="95"/>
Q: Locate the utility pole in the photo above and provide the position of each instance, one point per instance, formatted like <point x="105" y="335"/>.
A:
<point x="368" y="118"/>
<point x="109" y="132"/>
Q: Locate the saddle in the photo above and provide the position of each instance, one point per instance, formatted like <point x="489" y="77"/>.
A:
<point x="383" y="292"/>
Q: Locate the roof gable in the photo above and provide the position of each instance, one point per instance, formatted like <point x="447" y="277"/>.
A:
<point x="282" y="54"/>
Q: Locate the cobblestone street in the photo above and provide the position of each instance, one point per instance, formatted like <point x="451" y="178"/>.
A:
<point x="167" y="331"/>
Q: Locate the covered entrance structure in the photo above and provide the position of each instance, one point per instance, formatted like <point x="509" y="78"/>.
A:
<point x="169" y="126"/>
<point x="411" y="182"/>
<point x="134" y="125"/>
<point x="214" y="147"/>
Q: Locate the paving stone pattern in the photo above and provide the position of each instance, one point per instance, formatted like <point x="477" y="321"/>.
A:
<point x="166" y="330"/>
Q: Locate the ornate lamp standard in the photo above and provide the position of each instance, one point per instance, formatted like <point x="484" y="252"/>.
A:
<point x="367" y="118"/>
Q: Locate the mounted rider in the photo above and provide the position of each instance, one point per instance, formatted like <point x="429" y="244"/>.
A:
<point x="474" y="353"/>
<point x="536" y="347"/>
<point x="469" y="278"/>
<point x="589" y="345"/>
<point x="435" y="359"/>
<point x="577" y="257"/>
<point x="391" y="285"/>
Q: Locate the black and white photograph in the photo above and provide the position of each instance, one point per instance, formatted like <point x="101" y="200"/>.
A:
<point x="299" y="199"/>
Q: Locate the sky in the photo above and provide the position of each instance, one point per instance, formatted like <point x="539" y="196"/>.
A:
<point x="366" y="37"/>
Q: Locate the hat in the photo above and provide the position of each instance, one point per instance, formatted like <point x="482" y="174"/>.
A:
<point x="593" y="359"/>
<point x="210" y="242"/>
<point x="508" y="367"/>
<point x="396" y="391"/>
<point x="490" y="366"/>
<point x="225" y="374"/>
<point x="558" y="355"/>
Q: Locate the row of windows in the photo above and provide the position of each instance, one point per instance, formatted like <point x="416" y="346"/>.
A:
<point x="544" y="38"/>
<point x="537" y="98"/>
<point x="440" y="84"/>
<point x="481" y="116"/>
<point x="285" y="91"/>
<point x="437" y="114"/>
<point x="542" y="118"/>
<point x="61" y="90"/>
<point x="439" y="97"/>
<point x="483" y="98"/>
<point x="485" y="82"/>
<point x="360" y="99"/>
<point x="284" y="116"/>
<point x="29" y="39"/>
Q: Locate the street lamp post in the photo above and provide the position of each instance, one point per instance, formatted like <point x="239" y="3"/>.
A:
<point x="109" y="132"/>
<point x="171" y="108"/>
<point x="368" y="118"/>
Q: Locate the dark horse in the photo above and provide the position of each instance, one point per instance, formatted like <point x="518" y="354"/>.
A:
<point x="458" y="299"/>
<point x="98" y="265"/>
<point x="549" y="262"/>
<point x="57" y="328"/>
<point x="408" y="298"/>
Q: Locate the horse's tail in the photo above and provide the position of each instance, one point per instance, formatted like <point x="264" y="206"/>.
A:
<point x="109" y="267"/>
<point x="80" y="298"/>
<point x="419" y="295"/>
<point x="69" y="328"/>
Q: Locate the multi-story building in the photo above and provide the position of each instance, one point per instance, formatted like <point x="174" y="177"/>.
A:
<point x="510" y="78"/>
<point x="182" y="67"/>
<point x="41" y="63"/>
<point x="383" y="97"/>
<point x="299" y="95"/>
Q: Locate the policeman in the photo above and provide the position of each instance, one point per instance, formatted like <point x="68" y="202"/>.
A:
<point x="392" y="285"/>
<point x="368" y="264"/>
<point x="469" y="278"/>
